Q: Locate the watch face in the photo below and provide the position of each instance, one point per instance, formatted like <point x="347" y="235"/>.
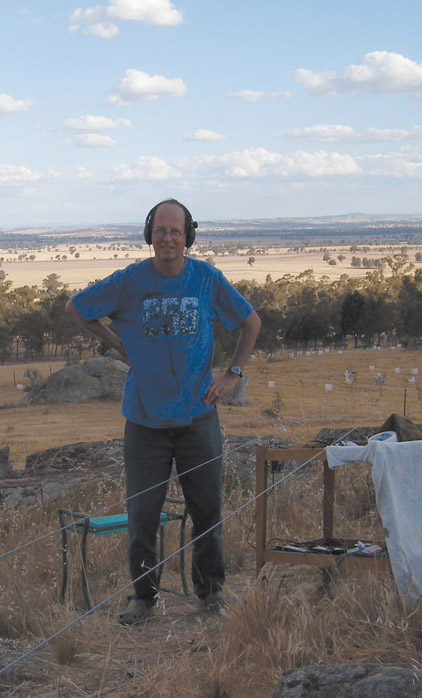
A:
<point x="236" y="370"/>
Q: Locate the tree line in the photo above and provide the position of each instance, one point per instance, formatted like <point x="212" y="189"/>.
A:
<point x="296" y="311"/>
<point x="304" y="312"/>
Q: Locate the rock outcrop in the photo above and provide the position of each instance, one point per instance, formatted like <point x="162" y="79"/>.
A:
<point x="52" y="473"/>
<point x="344" y="681"/>
<point x="98" y="379"/>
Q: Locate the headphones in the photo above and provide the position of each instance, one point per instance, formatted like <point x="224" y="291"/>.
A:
<point x="190" y="224"/>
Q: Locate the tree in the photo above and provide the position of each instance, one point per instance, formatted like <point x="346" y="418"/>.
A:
<point x="4" y="285"/>
<point x="272" y="321"/>
<point x="305" y="325"/>
<point x="410" y="308"/>
<point x="6" y="342"/>
<point x="61" y="328"/>
<point x="52" y="284"/>
<point x="352" y="315"/>
<point x="32" y="327"/>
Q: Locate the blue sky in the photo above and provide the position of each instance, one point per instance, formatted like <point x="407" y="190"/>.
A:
<point x="241" y="109"/>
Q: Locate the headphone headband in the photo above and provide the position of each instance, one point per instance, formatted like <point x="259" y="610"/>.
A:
<point x="190" y="224"/>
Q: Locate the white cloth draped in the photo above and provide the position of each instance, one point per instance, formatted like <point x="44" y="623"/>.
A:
<point x="397" y="476"/>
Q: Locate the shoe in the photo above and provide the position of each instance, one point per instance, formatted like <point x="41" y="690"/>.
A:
<point x="213" y="602"/>
<point x="137" y="611"/>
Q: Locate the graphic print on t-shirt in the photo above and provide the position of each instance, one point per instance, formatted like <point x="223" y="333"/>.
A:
<point x="164" y="316"/>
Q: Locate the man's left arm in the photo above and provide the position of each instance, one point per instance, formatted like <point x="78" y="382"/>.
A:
<point x="221" y="385"/>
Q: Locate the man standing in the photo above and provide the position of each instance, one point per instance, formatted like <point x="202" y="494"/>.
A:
<point x="163" y="310"/>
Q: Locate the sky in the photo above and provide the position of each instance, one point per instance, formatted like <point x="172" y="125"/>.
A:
<point x="240" y="109"/>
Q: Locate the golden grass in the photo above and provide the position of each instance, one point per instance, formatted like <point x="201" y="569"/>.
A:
<point x="287" y="620"/>
<point x="97" y="264"/>
<point x="298" y="401"/>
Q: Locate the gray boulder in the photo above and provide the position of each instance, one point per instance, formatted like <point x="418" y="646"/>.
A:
<point x="99" y="379"/>
<point x="237" y="395"/>
<point x="343" y="681"/>
<point x="6" y="469"/>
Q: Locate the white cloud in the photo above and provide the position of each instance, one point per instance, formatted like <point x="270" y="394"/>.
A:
<point x="261" y="164"/>
<point x="379" y="72"/>
<point x="254" y="96"/>
<point x="94" y="140"/>
<point x="9" y="105"/>
<point x="89" y="122"/>
<point x="336" y="133"/>
<point x="55" y="175"/>
<point x="322" y="133"/>
<point x="159" y="13"/>
<point x="204" y="135"/>
<point x="105" y="30"/>
<point x="406" y="163"/>
<point x="391" y="135"/>
<point x="137" y="85"/>
<point x="96" y="22"/>
<point x="254" y="162"/>
<point x="15" y="174"/>
<point x="147" y="168"/>
<point x="83" y="173"/>
<point x="27" y="17"/>
<point x="101" y="20"/>
<point x="115" y="101"/>
<point x="258" y="162"/>
<point x="322" y="164"/>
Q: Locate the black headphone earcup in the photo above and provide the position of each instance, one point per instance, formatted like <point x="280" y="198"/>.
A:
<point x="190" y="236"/>
<point x="148" y="225"/>
<point x="147" y="233"/>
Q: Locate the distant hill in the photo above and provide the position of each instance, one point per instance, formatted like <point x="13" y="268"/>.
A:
<point x="345" y="229"/>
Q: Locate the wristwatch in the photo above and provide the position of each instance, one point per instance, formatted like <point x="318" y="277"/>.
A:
<point x="236" y="370"/>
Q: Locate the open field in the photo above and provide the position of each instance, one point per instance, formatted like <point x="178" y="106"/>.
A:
<point x="290" y="621"/>
<point x="96" y="264"/>
<point x="298" y="400"/>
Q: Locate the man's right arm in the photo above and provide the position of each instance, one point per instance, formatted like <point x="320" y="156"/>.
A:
<point x="98" y="328"/>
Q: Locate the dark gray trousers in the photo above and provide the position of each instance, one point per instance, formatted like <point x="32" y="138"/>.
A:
<point x="148" y="456"/>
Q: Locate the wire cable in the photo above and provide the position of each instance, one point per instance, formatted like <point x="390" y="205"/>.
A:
<point x="120" y="591"/>
<point x="149" y="489"/>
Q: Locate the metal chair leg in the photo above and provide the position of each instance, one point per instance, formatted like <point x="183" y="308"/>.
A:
<point x="83" y="570"/>
<point x="64" y="553"/>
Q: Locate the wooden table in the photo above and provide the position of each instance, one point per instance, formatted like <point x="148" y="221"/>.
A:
<point x="266" y="455"/>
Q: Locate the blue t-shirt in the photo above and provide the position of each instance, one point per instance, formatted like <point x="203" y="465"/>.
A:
<point x="166" y="327"/>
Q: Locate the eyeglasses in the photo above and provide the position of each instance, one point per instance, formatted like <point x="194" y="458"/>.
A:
<point x="160" y="233"/>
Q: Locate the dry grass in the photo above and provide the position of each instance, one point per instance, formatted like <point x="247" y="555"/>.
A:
<point x="97" y="264"/>
<point x="298" y="402"/>
<point x="288" y="619"/>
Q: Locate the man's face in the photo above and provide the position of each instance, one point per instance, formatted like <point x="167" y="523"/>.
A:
<point x="168" y="233"/>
